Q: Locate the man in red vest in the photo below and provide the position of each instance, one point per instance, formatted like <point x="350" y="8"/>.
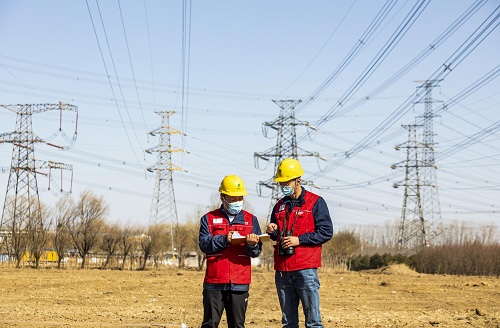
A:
<point x="229" y="237"/>
<point x="300" y="223"/>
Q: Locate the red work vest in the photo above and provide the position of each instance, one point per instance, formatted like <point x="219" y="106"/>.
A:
<point x="302" y="221"/>
<point x="232" y="264"/>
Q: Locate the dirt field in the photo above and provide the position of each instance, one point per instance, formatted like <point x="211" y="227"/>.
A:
<point x="395" y="297"/>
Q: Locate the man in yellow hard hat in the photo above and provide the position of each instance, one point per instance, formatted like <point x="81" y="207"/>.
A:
<point x="229" y="237"/>
<point x="300" y="223"/>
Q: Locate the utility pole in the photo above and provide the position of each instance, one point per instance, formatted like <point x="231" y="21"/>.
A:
<point x="412" y="228"/>
<point x="21" y="198"/>
<point x="286" y="144"/>
<point x="430" y="192"/>
<point x="163" y="207"/>
<point x="421" y="214"/>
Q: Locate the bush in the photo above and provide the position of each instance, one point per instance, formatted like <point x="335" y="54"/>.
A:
<point x="376" y="261"/>
<point x="472" y="258"/>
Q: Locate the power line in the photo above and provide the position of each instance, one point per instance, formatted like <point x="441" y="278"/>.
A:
<point x="186" y="61"/>
<point x="109" y="79"/>
<point x="411" y="64"/>
<point x="150" y="53"/>
<point x="478" y="36"/>
<point x="131" y="66"/>
<point x="317" y="54"/>
<point x="377" y="60"/>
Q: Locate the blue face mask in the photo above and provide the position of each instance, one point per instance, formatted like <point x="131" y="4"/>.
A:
<point x="287" y="190"/>
<point x="234" y="208"/>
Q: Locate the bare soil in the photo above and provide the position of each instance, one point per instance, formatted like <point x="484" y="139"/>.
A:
<point x="392" y="297"/>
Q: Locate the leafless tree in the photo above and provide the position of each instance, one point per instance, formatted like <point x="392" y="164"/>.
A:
<point x="182" y="237"/>
<point x="152" y="242"/>
<point x="61" y="239"/>
<point x="87" y="222"/>
<point x="128" y="243"/>
<point x="17" y="239"/>
<point x="342" y="247"/>
<point x="377" y="239"/>
<point x="188" y="240"/>
<point x="110" y="242"/>
<point x="460" y="234"/>
<point x="37" y="231"/>
<point x="194" y="235"/>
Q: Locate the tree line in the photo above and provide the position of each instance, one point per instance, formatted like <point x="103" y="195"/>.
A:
<point x="467" y="252"/>
<point x="79" y="230"/>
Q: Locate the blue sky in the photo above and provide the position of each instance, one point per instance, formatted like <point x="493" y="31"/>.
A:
<point x="120" y="61"/>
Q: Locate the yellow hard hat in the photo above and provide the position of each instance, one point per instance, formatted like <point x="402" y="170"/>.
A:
<point x="232" y="185"/>
<point x="288" y="169"/>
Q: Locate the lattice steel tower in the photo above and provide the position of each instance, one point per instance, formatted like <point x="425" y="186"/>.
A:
<point x="286" y="144"/>
<point x="163" y="208"/>
<point x="430" y="196"/>
<point x="413" y="227"/>
<point x="21" y="198"/>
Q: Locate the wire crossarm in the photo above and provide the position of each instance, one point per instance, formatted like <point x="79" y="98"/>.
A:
<point x="21" y="197"/>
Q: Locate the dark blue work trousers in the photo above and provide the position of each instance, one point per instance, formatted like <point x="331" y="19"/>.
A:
<point x="214" y="303"/>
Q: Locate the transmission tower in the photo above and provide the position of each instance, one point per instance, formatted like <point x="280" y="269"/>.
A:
<point x="413" y="228"/>
<point x="21" y="198"/>
<point x="286" y="144"/>
<point x="163" y="208"/>
<point x="430" y="192"/>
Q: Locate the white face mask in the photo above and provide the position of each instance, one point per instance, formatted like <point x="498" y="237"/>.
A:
<point x="234" y="207"/>
<point x="287" y="190"/>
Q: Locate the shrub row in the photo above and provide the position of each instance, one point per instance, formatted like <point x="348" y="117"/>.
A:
<point x="472" y="259"/>
<point x="377" y="261"/>
<point x="467" y="259"/>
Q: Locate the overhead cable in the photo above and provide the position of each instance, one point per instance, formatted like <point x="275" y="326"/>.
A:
<point x="109" y="80"/>
<point x="360" y="43"/>
<point x="131" y="65"/>
<point x="454" y="60"/>
<point x="404" y="70"/>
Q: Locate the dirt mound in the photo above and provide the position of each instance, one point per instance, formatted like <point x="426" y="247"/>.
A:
<point x="399" y="269"/>
<point x="395" y="269"/>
